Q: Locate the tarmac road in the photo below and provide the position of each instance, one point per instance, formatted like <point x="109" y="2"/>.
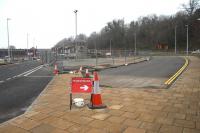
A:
<point x="151" y="73"/>
<point x="11" y="70"/>
<point x="20" y="84"/>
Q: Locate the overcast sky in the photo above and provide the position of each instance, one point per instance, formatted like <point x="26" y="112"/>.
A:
<point x="49" y="21"/>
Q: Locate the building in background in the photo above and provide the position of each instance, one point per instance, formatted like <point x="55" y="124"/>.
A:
<point x="67" y="48"/>
<point x="162" y="46"/>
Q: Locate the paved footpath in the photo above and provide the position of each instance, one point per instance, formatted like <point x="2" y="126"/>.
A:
<point x="174" y="110"/>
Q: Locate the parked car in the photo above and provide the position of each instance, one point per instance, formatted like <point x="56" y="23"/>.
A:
<point x="7" y="59"/>
<point x="2" y="61"/>
<point x="196" y="51"/>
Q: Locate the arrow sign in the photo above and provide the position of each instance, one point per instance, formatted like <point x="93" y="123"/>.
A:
<point x="84" y="87"/>
<point x="81" y="85"/>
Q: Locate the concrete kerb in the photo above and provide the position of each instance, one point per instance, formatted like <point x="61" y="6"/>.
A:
<point x="29" y="108"/>
<point x="91" y="69"/>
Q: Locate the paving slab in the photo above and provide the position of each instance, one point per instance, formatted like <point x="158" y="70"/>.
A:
<point x="129" y="110"/>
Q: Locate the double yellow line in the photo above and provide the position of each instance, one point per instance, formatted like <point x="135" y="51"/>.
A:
<point x="170" y="80"/>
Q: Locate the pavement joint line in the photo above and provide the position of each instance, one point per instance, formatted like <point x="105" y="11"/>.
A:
<point x="171" y="79"/>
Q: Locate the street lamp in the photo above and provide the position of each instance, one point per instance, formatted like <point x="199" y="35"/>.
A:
<point x="111" y="53"/>
<point x="110" y="47"/>
<point x="8" y="39"/>
<point x="135" y="44"/>
<point x="75" y="11"/>
<point x="175" y="40"/>
<point x="27" y="41"/>
<point x="187" y="40"/>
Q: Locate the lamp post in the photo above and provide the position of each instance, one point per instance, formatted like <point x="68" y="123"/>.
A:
<point x="95" y="45"/>
<point x="175" y="39"/>
<point x="111" y="52"/>
<point x="75" y="11"/>
<point x="110" y="46"/>
<point x="27" y="39"/>
<point x="8" y="39"/>
<point x="135" y="44"/>
<point x="187" y="40"/>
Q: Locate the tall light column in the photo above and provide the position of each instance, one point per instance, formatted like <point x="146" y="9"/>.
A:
<point x="110" y="47"/>
<point x="187" y="40"/>
<point x="135" y="44"/>
<point x="27" y="39"/>
<point x="175" y="39"/>
<point x="76" y="31"/>
<point x="8" y="39"/>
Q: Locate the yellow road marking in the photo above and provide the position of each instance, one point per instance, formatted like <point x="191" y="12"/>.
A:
<point x="170" y="80"/>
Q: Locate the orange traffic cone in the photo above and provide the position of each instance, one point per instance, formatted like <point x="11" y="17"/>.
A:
<point x="87" y="75"/>
<point x="55" y="69"/>
<point x="96" y="101"/>
<point x="81" y="68"/>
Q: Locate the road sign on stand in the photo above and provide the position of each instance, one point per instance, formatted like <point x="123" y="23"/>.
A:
<point x="80" y="85"/>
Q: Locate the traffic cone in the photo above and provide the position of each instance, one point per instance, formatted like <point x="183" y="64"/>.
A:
<point x="55" y="69"/>
<point x="81" y="69"/>
<point x="96" y="101"/>
<point x="79" y="72"/>
<point x="87" y="75"/>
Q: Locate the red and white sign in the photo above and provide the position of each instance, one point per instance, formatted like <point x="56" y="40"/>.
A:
<point x="81" y="85"/>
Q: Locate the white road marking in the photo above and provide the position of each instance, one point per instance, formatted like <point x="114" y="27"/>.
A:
<point x="40" y="76"/>
<point x="37" y="68"/>
<point x="29" y="71"/>
<point x="8" y="79"/>
<point x="24" y="73"/>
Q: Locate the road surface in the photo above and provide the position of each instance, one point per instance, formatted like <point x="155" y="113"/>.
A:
<point x="20" y="84"/>
<point x="147" y="74"/>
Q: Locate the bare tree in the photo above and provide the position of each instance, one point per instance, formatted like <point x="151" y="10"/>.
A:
<point x="191" y="7"/>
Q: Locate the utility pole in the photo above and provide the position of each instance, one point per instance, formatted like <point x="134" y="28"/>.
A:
<point x="8" y="40"/>
<point x="187" y="40"/>
<point x="95" y="45"/>
<point x="135" y="44"/>
<point x="27" y="43"/>
<point x="175" y="40"/>
<point x="111" y="53"/>
<point x="34" y="47"/>
<point x="110" y="47"/>
<point x="76" y="31"/>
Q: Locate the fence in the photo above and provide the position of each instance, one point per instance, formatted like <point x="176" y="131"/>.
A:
<point x="98" y="58"/>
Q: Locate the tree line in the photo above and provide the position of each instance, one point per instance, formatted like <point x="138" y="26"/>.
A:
<point x="148" y="31"/>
